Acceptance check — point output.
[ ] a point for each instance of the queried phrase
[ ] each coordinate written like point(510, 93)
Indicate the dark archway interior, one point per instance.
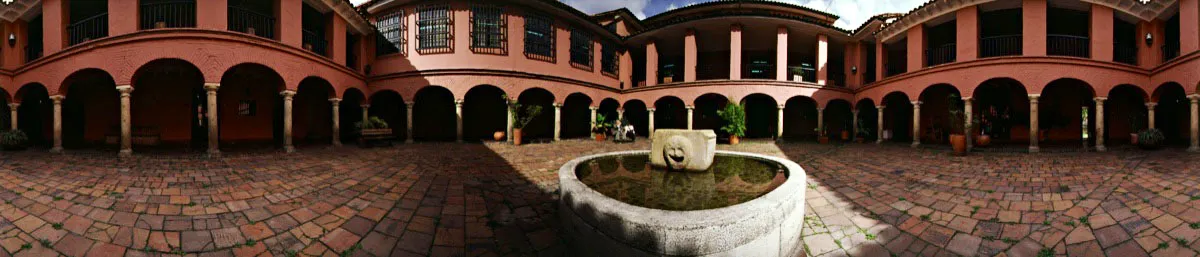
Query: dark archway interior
point(34, 116)
point(868, 120)
point(897, 117)
point(1124, 113)
point(838, 119)
point(1001, 107)
point(1172, 114)
point(389, 106)
point(800, 118)
point(312, 113)
point(484, 113)
point(349, 114)
point(1061, 111)
point(169, 104)
point(249, 108)
point(705, 112)
point(636, 113)
point(434, 115)
point(91, 111)
point(761, 116)
point(576, 116)
point(609, 107)
point(936, 122)
point(542, 126)
point(669, 113)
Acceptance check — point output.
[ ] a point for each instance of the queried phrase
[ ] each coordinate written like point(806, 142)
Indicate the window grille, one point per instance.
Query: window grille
point(488, 26)
point(539, 37)
point(581, 49)
point(435, 28)
point(393, 28)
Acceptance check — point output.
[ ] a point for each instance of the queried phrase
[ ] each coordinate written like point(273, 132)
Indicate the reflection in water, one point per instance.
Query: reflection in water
point(731, 180)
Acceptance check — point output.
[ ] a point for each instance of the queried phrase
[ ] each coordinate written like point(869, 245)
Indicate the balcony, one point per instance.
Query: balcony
point(33, 52)
point(251, 22)
point(1125, 53)
point(1068, 45)
point(170, 14)
point(806, 72)
point(995, 46)
point(87, 29)
point(892, 70)
point(940, 55)
point(1170, 50)
point(315, 42)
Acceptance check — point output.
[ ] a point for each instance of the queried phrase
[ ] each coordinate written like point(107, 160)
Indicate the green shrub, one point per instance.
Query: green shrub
point(373, 122)
point(735, 119)
point(1150, 138)
point(14, 139)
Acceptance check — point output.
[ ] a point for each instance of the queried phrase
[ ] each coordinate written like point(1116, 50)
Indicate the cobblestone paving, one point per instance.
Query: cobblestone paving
point(499, 200)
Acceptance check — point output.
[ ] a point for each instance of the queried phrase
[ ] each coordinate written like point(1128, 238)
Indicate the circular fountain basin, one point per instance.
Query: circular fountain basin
point(615, 204)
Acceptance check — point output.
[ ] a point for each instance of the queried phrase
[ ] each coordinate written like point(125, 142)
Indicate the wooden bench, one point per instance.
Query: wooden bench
point(372, 137)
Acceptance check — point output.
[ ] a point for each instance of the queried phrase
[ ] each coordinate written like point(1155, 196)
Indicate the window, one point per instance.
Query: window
point(581, 49)
point(609, 59)
point(392, 28)
point(539, 37)
point(488, 24)
point(434, 28)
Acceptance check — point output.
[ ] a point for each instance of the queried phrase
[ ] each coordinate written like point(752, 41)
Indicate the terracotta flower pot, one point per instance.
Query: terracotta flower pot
point(959, 142)
point(983, 140)
point(600, 137)
point(1133, 138)
point(823, 140)
point(845, 135)
point(499, 135)
point(516, 136)
point(733, 140)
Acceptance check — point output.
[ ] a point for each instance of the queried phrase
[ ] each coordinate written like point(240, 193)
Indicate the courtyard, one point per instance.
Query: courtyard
point(444, 199)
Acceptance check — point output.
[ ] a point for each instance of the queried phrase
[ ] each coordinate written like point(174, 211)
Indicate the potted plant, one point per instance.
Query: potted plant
point(985, 129)
point(522, 116)
point(600, 127)
point(14, 140)
point(797, 73)
point(498, 135)
point(958, 129)
point(735, 121)
point(373, 128)
point(846, 134)
point(667, 73)
point(863, 132)
point(1150, 139)
point(1135, 127)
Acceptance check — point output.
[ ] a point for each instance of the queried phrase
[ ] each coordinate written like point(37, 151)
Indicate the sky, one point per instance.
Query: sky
point(852, 12)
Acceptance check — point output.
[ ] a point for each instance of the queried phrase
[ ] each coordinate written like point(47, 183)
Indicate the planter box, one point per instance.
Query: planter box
point(368, 136)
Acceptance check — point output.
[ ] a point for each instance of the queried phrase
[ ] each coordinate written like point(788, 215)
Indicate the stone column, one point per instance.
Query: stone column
point(1195, 126)
point(620, 113)
point(365, 108)
point(593, 109)
point(1084, 127)
point(1100, 124)
point(126, 122)
point(689, 116)
point(779, 123)
point(58, 99)
point(916, 123)
point(458, 121)
point(337, 121)
point(214, 136)
point(967, 122)
point(853, 123)
point(1033, 123)
point(820, 121)
point(1149, 114)
point(650, 123)
point(879, 124)
point(408, 124)
point(12, 108)
point(557, 121)
point(287, 120)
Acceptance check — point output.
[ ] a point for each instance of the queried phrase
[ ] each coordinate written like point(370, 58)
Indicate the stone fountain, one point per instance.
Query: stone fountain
point(682, 198)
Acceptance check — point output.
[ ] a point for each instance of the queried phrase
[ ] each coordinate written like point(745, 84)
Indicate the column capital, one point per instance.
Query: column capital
point(781, 106)
point(819, 109)
point(689, 107)
point(125, 89)
point(1100, 99)
point(967, 98)
point(409, 104)
point(1151, 104)
point(650, 109)
point(458, 102)
point(57, 98)
point(593, 108)
point(364, 106)
point(881, 107)
point(287, 93)
point(917, 103)
point(1034, 96)
point(211, 86)
point(556, 105)
point(1194, 97)
point(335, 100)
point(14, 105)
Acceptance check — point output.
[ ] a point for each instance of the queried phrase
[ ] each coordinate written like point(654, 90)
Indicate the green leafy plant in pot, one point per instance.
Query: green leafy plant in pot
point(14, 140)
point(601, 126)
point(1150, 138)
point(522, 116)
point(735, 121)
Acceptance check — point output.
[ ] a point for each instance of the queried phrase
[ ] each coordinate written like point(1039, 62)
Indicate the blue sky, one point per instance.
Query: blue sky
point(852, 12)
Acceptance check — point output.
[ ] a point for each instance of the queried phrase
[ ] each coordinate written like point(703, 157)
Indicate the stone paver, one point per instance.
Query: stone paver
point(500, 200)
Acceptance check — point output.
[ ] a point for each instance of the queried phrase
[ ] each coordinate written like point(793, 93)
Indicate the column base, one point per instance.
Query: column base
point(337, 143)
point(58, 149)
point(125, 153)
point(1034, 149)
point(214, 154)
point(1101, 148)
point(458, 140)
point(879, 142)
point(1194, 149)
point(916, 144)
point(289, 149)
point(408, 141)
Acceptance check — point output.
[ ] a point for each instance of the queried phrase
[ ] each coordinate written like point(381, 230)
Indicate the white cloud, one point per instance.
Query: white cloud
point(638, 7)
